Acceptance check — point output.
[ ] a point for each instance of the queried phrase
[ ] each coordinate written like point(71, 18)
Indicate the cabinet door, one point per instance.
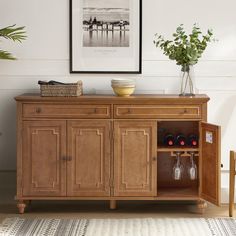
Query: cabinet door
point(44, 145)
point(210, 163)
point(135, 163)
point(88, 172)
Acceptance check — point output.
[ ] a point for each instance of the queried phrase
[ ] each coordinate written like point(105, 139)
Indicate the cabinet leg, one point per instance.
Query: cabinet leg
point(201, 205)
point(21, 206)
point(112, 204)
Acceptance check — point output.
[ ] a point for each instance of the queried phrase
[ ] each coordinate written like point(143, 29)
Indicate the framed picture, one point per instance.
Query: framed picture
point(105, 36)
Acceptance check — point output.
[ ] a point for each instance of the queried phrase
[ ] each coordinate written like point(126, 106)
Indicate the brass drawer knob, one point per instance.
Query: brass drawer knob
point(92, 111)
point(64, 158)
point(184, 112)
point(38, 110)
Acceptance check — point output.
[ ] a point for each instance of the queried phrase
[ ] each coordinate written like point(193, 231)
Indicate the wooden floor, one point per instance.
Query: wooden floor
point(100, 209)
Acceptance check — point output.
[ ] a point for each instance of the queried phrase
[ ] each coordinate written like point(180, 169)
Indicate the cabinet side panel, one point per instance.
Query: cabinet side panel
point(19, 150)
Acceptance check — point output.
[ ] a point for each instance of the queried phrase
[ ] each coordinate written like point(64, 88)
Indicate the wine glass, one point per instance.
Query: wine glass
point(178, 167)
point(193, 167)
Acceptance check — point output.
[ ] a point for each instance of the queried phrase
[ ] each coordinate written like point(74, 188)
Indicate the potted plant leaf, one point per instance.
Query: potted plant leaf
point(185, 50)
point(16, 34)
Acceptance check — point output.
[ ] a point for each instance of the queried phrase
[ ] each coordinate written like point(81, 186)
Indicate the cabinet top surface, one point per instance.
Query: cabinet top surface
point(109, 99)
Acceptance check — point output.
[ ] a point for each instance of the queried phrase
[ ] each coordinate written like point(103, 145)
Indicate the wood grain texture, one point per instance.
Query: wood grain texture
point(19, 153)
point(44, 170)
point(157, 111)
point(159, 99)
point(210, 163)
point(107, 148)
point(135, 158)
point(88, 170)
point(66, 110)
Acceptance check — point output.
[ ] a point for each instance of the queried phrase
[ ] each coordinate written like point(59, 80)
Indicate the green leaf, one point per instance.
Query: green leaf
point(183, 48)
point(6, 55)
point(13, 33)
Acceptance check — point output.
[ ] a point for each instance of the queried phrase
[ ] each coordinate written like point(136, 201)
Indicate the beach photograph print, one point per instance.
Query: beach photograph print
point(106, 23)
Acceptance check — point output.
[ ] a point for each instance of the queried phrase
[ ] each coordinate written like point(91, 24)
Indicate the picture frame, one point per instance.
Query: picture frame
point(106, 36)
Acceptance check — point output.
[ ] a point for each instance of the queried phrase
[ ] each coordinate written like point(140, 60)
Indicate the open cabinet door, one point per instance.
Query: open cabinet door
point(210, 163)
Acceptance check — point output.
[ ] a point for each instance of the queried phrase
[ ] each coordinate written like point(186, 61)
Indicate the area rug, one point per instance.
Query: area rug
point(119, 227)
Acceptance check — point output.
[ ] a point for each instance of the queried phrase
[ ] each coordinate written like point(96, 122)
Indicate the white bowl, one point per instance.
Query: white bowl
point(122, 82)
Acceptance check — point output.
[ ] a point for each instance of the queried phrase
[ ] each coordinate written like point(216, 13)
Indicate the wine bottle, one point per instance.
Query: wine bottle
point(180, 140)
point(193, 140)
point(169, 140)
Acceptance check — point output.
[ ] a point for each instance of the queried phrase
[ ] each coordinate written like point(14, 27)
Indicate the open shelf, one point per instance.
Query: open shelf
point(176, 149)
point(175, 192)
point(176, 127)
point(167, 187)
point(171, 151)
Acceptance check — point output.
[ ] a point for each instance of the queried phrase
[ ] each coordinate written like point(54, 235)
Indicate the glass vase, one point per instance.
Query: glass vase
point(187, 81)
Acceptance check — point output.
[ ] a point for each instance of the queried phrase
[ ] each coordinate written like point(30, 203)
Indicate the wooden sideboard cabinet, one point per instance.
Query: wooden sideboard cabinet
point(112, 148)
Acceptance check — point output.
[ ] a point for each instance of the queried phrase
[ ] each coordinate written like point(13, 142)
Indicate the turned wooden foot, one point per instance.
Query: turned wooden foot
point(21, 206)
point(201, 205)
point(112, 204)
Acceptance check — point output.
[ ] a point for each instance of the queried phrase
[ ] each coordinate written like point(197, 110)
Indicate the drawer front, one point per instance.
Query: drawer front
point(67, 111)
point(158, 111)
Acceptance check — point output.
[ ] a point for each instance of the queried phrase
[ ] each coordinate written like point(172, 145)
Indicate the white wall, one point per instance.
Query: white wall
point(45, 55)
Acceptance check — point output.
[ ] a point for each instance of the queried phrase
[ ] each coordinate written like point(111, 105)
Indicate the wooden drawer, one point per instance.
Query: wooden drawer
point(158, 111)
point(66, 111)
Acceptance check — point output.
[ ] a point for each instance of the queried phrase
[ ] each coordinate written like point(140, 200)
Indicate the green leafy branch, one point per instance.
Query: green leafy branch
point(184, 49)
point(16, 34)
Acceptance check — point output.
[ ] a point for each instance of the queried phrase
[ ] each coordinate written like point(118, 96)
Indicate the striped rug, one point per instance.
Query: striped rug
point(119, 227)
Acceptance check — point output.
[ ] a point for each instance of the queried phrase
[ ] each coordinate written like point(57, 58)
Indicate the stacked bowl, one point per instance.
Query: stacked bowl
point(123, 87)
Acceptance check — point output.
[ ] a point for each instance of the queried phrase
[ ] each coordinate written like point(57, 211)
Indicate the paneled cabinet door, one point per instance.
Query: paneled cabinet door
point(135, 164)
point(88, 171)
point(210, 162)
point(44, 146)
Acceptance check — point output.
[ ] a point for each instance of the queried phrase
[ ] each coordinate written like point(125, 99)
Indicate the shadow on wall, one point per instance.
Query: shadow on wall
point(7, 188)
point(225, 114)
point(8, 131)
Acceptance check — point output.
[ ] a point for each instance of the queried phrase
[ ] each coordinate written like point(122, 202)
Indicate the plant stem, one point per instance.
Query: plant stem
point(186, 81)
point(182, 83)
